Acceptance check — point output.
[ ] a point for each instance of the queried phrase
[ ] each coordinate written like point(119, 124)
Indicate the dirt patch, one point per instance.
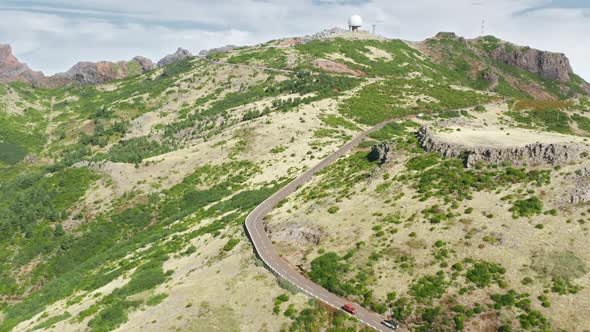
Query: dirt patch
point(301, 233)
point(559, 264)
point(335, 67)
point(376, 54)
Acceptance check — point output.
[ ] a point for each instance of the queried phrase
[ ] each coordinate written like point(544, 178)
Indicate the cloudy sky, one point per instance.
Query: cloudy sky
point(53, 35)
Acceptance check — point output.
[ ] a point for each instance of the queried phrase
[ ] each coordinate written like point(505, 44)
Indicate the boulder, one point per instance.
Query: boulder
point(381, 152)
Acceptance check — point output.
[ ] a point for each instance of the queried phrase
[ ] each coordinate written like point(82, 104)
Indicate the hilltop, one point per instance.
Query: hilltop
point(124, 187)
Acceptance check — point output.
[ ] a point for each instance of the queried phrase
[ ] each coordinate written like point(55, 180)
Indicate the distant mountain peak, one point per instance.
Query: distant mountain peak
point(13, 70)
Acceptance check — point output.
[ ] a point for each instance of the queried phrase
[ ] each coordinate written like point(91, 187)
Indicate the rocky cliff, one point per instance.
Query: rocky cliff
point(536, 153)
point(549, 65)
point(12, 70)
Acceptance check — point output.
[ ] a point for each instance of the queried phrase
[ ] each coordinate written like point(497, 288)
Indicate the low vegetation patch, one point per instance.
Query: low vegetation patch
point(135, 150)
point(449, 180)
point(527, 207)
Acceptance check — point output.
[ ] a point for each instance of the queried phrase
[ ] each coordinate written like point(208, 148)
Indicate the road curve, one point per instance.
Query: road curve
point(266, 251)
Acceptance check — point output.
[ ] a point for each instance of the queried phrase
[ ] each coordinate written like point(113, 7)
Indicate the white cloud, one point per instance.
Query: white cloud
point(53, 35)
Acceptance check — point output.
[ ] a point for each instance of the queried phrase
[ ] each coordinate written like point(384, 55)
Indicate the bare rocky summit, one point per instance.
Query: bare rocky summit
point(216, 50)
point(535, 153)
point(179, 55)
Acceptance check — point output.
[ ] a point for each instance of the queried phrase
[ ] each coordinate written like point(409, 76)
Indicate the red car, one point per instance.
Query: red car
point(349, 308)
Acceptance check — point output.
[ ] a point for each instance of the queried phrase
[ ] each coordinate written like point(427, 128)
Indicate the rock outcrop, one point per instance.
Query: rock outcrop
point(12, 70)
point(536, 153)
point(549, 65)
point(179, 55)
point(295, 233)
point(581, 186)
point(381, 152)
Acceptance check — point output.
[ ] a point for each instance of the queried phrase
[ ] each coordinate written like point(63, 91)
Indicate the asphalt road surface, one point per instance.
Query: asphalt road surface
point(266, 251)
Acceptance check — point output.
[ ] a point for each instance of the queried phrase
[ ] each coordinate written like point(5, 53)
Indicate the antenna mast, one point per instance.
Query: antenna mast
point(483, 20)
point(374, 25)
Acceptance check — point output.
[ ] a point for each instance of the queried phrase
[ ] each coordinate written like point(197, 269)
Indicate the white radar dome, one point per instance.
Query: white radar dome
point(355, 21)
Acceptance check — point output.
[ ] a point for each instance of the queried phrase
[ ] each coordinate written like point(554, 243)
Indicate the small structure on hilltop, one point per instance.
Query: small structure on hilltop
point(355, 22)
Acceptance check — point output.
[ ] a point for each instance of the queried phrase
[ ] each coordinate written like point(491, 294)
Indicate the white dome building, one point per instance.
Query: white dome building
point(355, 22)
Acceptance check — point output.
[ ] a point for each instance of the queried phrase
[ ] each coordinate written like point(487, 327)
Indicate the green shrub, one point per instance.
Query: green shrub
point(563, 286)
point(483, 273)
point(327, 269)
point(11, 153)
point(333, 209)
point(156, 299)
point(231, 244)
point(429, 287)
point(527, 207)
point(283, 298)
point(48, 323)
point(135, 150)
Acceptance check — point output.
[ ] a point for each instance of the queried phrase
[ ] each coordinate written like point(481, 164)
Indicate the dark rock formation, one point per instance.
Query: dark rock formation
point(12, 70)
point(536, 153)
point(549, 65)
point(179, 55)
point(381, 152)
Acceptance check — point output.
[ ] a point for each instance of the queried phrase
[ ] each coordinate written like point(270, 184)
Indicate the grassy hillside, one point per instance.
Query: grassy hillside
point(122, 204)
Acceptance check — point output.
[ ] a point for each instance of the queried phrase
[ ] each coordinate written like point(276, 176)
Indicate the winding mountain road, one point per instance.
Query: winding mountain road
point(266, 251)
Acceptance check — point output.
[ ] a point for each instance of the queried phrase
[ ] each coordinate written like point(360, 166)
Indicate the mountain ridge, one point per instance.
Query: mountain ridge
point(83, 72)
point(552, 66)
